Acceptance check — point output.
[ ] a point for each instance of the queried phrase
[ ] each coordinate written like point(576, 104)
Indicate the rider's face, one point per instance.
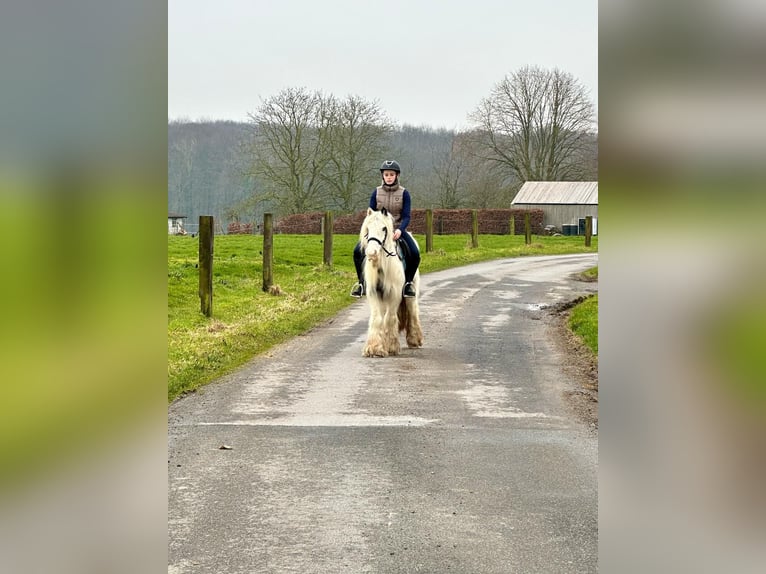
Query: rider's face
point(389, 176)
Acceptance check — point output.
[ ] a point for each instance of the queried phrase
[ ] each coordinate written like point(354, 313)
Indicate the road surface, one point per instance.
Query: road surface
point(462, 456)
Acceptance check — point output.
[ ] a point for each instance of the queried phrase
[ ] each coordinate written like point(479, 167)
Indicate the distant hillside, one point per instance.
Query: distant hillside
point(207, 172)
point(207, 167)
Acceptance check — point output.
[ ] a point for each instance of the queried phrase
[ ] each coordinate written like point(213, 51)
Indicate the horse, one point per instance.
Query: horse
point(383, 272)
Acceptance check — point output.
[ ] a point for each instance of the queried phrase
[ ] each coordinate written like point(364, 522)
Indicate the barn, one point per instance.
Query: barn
point(565, 204)
point(176, 224)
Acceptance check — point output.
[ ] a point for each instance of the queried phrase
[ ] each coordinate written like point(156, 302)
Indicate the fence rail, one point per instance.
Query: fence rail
point(205, 230)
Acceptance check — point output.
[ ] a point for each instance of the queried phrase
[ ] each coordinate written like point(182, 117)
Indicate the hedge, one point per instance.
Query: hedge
point(445, 222)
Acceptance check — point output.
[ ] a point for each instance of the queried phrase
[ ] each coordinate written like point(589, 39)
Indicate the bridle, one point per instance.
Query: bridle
point(383, 247)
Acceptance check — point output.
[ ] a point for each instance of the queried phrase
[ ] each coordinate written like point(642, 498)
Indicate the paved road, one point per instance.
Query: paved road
point(458, 457)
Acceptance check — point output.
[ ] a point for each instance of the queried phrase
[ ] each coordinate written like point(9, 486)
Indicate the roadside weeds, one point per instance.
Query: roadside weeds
point(581, 366)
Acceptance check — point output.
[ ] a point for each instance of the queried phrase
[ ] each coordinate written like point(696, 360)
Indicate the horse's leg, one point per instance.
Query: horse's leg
point(412, 318)
point(392, 330)
point(412, 323)
point(376, 344)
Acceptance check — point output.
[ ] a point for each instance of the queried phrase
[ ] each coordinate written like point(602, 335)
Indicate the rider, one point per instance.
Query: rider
point(396, 200)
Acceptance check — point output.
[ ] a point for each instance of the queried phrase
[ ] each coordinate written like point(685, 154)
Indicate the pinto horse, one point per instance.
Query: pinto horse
point(384, 279)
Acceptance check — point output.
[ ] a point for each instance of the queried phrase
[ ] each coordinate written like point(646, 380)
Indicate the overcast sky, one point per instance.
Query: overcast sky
point(426, 62)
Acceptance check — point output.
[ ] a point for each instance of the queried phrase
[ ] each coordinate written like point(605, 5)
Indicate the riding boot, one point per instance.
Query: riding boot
point(412, 256)
point(358, 289)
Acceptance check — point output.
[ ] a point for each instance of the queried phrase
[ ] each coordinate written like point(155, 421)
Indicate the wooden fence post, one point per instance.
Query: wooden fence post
point(527, 230)
point(429, 230)
point(206, 236)
point(268, 251)
point(512, 225)
point(474, 228)
point(328, 238)
point(588, 229)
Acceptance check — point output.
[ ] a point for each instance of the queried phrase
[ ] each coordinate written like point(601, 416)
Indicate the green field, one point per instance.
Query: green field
point(246, 321)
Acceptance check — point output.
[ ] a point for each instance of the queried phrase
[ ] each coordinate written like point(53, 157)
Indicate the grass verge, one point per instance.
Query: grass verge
point(583, 321)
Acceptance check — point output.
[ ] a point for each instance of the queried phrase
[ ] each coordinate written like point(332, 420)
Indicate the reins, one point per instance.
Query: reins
point(383, 247)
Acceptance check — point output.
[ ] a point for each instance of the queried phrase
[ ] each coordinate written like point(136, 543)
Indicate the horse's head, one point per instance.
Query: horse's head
point(377, 234)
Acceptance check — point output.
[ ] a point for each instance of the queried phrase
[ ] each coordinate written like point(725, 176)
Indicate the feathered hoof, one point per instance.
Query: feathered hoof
point(415, 338)
point(374, 351)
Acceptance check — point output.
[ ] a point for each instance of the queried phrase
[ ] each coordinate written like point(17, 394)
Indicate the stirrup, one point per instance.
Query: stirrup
point(409, 290)
point(358, 290)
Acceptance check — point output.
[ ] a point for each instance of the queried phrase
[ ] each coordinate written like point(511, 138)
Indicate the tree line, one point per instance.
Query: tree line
point(305, 151)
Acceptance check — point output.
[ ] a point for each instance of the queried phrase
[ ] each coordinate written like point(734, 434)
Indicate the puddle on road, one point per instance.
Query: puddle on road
point(531, 306)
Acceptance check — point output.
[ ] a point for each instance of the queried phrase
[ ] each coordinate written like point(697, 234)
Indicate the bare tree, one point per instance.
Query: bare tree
point(464, 179)
point(486, 188)
point(290, 148)
point(356, 142)
point(181, 153)
point(536, 124)
point(449, 167)
point(312, 151)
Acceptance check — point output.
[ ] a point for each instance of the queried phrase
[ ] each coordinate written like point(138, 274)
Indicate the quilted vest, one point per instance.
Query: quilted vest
point(392, 201)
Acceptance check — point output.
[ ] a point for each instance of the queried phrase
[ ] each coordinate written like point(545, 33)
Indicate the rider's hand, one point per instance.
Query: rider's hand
point(397, 234)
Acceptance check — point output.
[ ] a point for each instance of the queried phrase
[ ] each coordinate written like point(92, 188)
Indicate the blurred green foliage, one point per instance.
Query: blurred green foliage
point(81, 337)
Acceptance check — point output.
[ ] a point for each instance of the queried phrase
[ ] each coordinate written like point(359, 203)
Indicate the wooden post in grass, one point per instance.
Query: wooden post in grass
point(588, 229)
point(327, 238)
point(429, 230)
point(527, 230)
point(512, 225)
point(268, 251)
point(206, 264)
point(475, 228)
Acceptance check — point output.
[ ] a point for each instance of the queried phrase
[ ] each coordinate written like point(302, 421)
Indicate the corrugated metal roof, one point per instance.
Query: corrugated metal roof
point(542, 192)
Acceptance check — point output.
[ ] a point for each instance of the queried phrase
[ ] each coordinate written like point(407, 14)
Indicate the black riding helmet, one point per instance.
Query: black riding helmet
point(392, 165)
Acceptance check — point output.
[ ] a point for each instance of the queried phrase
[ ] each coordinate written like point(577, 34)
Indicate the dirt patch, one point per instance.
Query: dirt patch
point(586, 278)
point(581, 366)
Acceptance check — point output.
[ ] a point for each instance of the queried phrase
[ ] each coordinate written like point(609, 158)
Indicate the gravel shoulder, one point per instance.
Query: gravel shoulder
point(581, 367)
